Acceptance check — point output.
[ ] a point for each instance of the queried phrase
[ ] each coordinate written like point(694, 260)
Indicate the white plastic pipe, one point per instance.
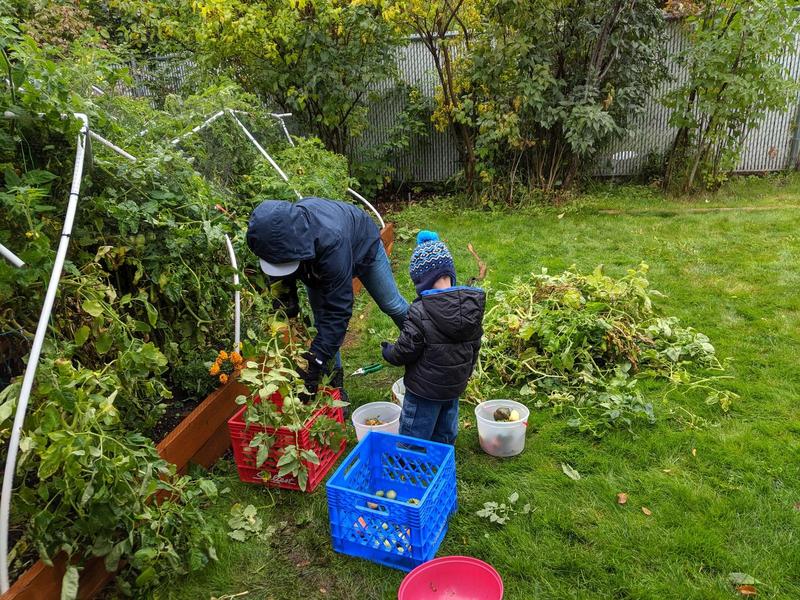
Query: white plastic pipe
point(262, 151)
point(355, 194)
point(281, 117)
point(237, 301)
point(36, 349)
point(11, 257)
point(111, 145)
point(202, 125)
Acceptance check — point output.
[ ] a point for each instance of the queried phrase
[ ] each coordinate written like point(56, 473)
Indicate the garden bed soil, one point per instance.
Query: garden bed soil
point(201, 438)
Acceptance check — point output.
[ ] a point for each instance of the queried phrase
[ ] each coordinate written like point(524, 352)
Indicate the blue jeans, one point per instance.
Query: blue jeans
point(434, 420)
point(379, 282)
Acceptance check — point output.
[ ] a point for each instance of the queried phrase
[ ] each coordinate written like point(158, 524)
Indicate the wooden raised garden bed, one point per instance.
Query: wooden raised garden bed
point(201, 438)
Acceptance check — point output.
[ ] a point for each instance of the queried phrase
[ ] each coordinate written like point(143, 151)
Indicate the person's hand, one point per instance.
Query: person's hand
point(386, 349)
point(310, 376)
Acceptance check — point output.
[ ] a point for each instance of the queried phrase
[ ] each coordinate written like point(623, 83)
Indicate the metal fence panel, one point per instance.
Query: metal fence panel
point(434, 158)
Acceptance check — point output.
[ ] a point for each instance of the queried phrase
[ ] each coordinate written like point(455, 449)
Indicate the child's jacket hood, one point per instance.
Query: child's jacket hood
point(457, 311)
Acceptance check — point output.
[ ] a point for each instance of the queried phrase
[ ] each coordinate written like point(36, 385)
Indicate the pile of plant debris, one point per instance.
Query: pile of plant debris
point(582, 343)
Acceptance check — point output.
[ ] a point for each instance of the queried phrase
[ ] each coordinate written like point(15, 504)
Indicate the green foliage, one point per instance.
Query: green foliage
point(145, 297)
point(276, 373)
point(734, 77)
point(500, 512)
point(92, 483)
point(581, 343)
point(312, 171)
point(549, 85)
point(372, 166)
point(314, 58)
point(245, 523)
point(435, 22)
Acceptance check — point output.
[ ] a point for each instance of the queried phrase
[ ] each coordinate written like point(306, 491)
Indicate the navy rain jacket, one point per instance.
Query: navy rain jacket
point(335, 241)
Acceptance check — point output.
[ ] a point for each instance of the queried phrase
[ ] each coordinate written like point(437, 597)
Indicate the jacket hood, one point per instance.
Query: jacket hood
point(456, 311)
point(279, 232)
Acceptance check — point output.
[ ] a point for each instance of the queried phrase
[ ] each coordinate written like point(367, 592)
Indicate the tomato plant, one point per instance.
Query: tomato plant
point(144, 303)
point(581, 343)
point(276, 373)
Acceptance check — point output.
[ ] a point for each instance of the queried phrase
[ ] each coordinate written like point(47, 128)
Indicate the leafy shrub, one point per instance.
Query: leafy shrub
point(91, 483)
point(549, 96)
point(312, 171)
point(317, 59)
point(735, 76)
point(146, 294)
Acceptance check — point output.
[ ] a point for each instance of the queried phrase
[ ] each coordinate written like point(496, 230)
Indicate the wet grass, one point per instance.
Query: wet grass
point(722, 492)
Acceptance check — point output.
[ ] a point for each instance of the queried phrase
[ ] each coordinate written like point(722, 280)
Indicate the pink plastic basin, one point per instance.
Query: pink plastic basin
point(452, 578)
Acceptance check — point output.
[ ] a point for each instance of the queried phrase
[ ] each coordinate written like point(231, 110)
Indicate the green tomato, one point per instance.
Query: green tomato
point(391, 494)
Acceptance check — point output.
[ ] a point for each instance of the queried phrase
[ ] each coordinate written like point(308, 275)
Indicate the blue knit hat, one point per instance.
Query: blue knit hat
point(430, 260)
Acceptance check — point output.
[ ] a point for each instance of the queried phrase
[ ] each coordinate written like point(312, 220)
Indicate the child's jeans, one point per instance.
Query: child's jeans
point(433, 420)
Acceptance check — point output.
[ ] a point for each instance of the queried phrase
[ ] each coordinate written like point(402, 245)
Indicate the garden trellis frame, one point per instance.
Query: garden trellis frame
point(280, 117)
point(84, 135)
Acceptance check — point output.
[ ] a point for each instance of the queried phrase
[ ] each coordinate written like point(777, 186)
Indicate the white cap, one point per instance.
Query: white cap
point(279, 269)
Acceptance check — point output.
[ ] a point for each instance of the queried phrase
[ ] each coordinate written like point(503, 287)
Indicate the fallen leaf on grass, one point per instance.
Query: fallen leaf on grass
point(467, 424)
point(570, 472)
point(667, 471)
point(797, 505)
point(694, 451)
point(561, 216)
point(647, 511)
point(303, 563)
point(747, 590)
point(622, 498)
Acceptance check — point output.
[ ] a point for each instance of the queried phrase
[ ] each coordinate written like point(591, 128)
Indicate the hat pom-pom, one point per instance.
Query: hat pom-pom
point(427, 236)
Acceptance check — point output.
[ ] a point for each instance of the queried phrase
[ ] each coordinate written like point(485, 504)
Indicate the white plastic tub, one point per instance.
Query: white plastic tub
point(398, 391)
point(501, 438)
point(388, 412)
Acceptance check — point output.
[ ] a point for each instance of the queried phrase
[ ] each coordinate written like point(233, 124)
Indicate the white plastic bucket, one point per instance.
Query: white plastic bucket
point(398, 391)
point(388, 412)
point(501, 438)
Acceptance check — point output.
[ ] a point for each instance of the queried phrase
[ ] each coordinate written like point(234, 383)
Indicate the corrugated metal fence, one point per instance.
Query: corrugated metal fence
point(434, 158)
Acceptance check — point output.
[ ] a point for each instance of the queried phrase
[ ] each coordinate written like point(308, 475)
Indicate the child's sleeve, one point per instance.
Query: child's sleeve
point(408, 347)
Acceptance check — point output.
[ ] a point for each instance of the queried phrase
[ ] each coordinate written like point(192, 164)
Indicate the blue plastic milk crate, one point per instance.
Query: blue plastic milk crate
point(394, 533)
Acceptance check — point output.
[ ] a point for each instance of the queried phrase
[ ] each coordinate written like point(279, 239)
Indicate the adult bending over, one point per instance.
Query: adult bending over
point(324, 244)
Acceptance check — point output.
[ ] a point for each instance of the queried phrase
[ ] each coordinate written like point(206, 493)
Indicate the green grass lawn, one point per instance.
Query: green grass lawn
point(729, 505)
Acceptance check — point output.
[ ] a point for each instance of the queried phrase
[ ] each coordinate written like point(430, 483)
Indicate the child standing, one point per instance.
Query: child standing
point(438, 343)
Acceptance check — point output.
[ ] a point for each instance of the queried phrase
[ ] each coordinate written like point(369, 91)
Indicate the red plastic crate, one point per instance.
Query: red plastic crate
point(245, 456)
